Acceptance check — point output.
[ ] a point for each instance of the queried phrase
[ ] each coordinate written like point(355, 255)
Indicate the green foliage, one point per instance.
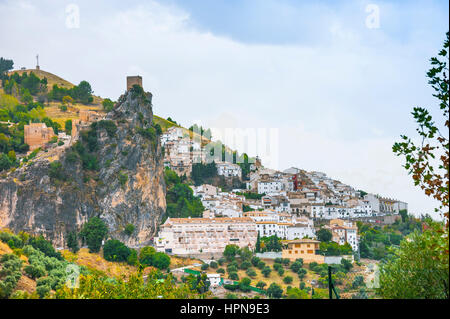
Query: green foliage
point(230, 252)
point(271, 243)
point(233, 276)
point(72, 242)
point(324, 235)
point(81, 93)
point(288, 279)
point(134, 287)
point(146, 256)
point(181, 202)
point(266, 271)
point(133, 258)
point(115, 250)
point(108, 105)
point(334, 249)
point(10, 274)
point(275, 291)
point(93, 233)
point(129, 229)
point(244, 284)
point(251, 272)
point(204, 266)
point(56, 171)
point(415, 270)
point(203, 173)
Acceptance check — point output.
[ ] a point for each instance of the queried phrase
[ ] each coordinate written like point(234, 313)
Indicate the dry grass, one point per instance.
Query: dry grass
point(96, 261)
point(177, 262)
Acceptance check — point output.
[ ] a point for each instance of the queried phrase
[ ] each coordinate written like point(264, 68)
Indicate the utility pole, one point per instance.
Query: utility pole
point(37, 62)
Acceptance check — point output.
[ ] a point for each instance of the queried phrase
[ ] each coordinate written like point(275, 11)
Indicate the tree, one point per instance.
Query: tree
point(258, 243)
point(261, 284)
point(244, 284)
point(287, 279)
point(161, 260)
point(93, 233)
point(68, 127)
point(415, 270)
point(245, 254)
point(72, 242)
point(129, 229)
point(266, 271)
point(115, 250)
point(67, 100)
point(428, 162)
point(275, 291)
point(146, 255)
point(301, 273)
point(5, 66)
point(230, 252)
point(108, 105)
point(324, 235)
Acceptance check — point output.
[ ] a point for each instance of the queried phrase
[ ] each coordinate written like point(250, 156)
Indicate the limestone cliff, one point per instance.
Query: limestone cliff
point(115, 171)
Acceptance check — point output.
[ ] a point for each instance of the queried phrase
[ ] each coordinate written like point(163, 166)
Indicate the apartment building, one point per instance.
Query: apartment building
point(184, 236)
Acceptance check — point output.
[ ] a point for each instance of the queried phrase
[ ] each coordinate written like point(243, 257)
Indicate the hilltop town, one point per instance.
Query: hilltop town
point(277, 216)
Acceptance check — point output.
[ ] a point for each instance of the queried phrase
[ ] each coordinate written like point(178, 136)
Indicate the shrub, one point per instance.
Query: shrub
point(255, 260)
point(221, 271)
point(280, 271)
point(287, 279)
point(129, 229)
point(266, 271)
point(115, 250)
point(213, 264)
point(251, 272)
point(161, 260)
point(132, 258)
point(245, 265)
point(93, 233)
point(204, 266)
point(275, 291)
point(146, 255)
point(233, 276)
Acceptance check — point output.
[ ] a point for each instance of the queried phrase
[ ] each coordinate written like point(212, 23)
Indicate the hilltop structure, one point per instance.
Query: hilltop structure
point(132, 80)
point(37, 135)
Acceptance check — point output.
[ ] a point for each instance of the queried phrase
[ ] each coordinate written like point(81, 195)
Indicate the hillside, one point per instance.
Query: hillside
point(114, 171)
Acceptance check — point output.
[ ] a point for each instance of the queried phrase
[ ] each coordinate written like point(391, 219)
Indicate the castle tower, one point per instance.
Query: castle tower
point(132, 80)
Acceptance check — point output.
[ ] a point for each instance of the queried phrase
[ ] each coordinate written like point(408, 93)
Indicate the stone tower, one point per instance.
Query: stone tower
point(132, 80)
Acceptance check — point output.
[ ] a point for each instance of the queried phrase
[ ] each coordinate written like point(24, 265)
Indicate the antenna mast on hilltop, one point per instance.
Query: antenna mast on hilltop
point(37, 62)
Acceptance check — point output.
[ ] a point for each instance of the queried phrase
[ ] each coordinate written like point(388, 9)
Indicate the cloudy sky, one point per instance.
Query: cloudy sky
point(331, 82)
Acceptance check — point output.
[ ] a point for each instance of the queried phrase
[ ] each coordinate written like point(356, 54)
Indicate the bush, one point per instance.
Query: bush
point(296, 266)
point(161, 260)
point(204, 266)
point(115, 250)
point(221, 271)
point(245, 265)
point(35, 271)
point(261, 264)
point(287, 279)
point(146, 256)
point(275, 291)
point(255, 260)
point(233, 276)
point(132, 258)
point(129, 229)
point(213, 264)
point(231, 268)
point(251, 272)
point(266, 271)
point(280, 271)
point(93, 233)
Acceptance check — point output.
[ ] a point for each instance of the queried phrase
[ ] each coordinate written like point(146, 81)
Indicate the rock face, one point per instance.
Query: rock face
point(115, 171)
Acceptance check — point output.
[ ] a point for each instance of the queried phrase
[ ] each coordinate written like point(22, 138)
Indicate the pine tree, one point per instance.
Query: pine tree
point(258, 243)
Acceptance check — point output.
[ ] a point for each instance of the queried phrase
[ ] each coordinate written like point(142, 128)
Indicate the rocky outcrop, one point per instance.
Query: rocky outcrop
point(115, 171)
